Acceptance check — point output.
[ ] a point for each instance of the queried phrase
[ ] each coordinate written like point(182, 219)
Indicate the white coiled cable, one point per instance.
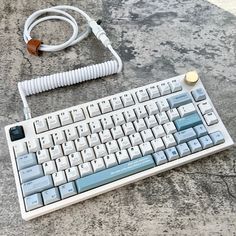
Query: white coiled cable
point(45, 83)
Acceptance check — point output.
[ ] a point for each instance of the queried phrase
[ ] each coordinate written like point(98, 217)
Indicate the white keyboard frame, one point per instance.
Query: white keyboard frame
point(28, 128)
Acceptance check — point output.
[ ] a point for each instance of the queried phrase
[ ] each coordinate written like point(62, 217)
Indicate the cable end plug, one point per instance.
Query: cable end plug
point(27, 113)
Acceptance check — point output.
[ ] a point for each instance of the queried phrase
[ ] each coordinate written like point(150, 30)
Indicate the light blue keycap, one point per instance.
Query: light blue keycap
point(200, 130)
point(51, 195)
point(199, 94)
point(67, 190)
point(194, 145)
point(171, 153)
point(159, 158)
point(217, 138)
point(37, 185)
point(185, 135)
point(188, 121)
point(183, 149)
point(114, 173)
point(206, 141)
point(34, 201)
point(26, 161)
point(31, 173)
point(179, 100)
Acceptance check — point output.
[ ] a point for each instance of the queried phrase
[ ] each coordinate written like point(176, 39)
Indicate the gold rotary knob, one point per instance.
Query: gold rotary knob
point(191, 77)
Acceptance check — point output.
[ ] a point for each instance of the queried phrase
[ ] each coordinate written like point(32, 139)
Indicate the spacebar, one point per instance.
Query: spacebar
point(112, 174)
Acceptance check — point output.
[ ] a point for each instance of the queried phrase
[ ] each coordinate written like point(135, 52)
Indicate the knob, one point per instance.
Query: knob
point(191, 77)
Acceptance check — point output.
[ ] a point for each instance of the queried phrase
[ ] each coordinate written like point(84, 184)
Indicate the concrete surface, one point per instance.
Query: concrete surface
point(156, 39)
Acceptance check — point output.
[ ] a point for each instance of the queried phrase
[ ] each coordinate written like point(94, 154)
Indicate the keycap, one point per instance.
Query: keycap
point(142, 95)
point(85, 169)
point(59, 137)
point(43, 156)
point(118, 119)
point(72, 173)
point(128, 128)
point(152, 109)
point(185, 135)
point(150, 121)
point(114, 173)
point(159, 158)
point(175, 86)
point(129, 115)
point(71, 133)
point(205, 107)
point(194, 146)
point(77, 114)
point(75, 159)
point(146, 148)
point(105, 106)
point(68, 148)
point(31, 173)
point(186, 109)
point(200, 130)
point(59, 178)
point(147, 135)
point(33, 145)
point(169, 128)
point(127, 99)
point(188, 121)
point(93, 110)
point(164, 88)
point(162, 118)
point(34, 201)
point(135, 139)
point(16, 132)
point(65, 118)
point(124, 143)
point(55, 151)
point(140, 112)
point(217, 137)
point(173, 114)
point(107, 123)
point(211, 118)
point(179, 100)
point(49, 167)
point(62, 163)
point(122, 156)
point(100, 150)
point(157, 145)
point(183, 149)
point(37, 185)
point(83, 130)
point(158, 131)
point(46, 141)
point(67, 190)
point(26, 160)
point(162, 105)
point(206, 142)
point(110, 160)
point(198, 94)
point(169, 140)
point(105, 136)
point(134, 152)
point(116, 103)
point(40, 125)
point(139, 125)
point(20, 149)
point(88, 154)
point(171, 154)
point(51, 195)
point(93, 140)
point(53, 121)
point(153, 91)
point(112, 147)
point(81, 143)
point(98, 165)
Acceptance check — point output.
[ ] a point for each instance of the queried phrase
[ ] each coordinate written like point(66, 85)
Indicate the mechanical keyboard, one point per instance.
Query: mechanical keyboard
point(80, 152)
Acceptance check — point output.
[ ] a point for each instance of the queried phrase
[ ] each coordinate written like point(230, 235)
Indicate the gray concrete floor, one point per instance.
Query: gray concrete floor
point(156, 39)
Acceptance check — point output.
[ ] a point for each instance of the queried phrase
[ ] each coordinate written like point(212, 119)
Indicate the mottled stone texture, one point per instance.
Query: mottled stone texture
point(156, 39)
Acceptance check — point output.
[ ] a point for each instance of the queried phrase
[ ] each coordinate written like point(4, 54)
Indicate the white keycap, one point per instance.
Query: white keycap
point(205, 108)
point(170, 128)
point(56, 151)
point(173, 114)
point(164, 88)
point(140, 112)
point(118, 119)
point(77, 114)
point(163, 105)
point(124, 143)
point(95, 126)
point(122, 156)
point(153, 91)
point(65, 118)
point(46, 141)
point(40, 125)
point(81, 143)
point(88, 154)
point(129, 115)
point(152, 109)
point(59, 137)
point(128, 128)
point(62, 163)
point(127, 99)
point(134, 152)
point(112, 147)
point(33, 145)
point(98, 165)
point(85, 169)
point(175, 86)
point(117, 132)
point(105, 106)
point(105, 136)
point(94, 110)
point(71, 133)
point(68, 147)
point(186, 109)
point(142, 95)
point(169, 140)
point(140, 125)
point(162, 118)
point(147, 135)
point(20, 149)
point(42, 156)
point(53, 122)
point(107, 122)
point(210, 118)
point(59, 178)
point(135, 139)
point(72, 173)
point(116, 103)
point(110, 160)
point(146, 148)
point(93, 140)
point(158, 131)
point(49, 167)
point(83, 130)
point(151, 121)
point(75, 159)
point(157, 145)
point(100, 150)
